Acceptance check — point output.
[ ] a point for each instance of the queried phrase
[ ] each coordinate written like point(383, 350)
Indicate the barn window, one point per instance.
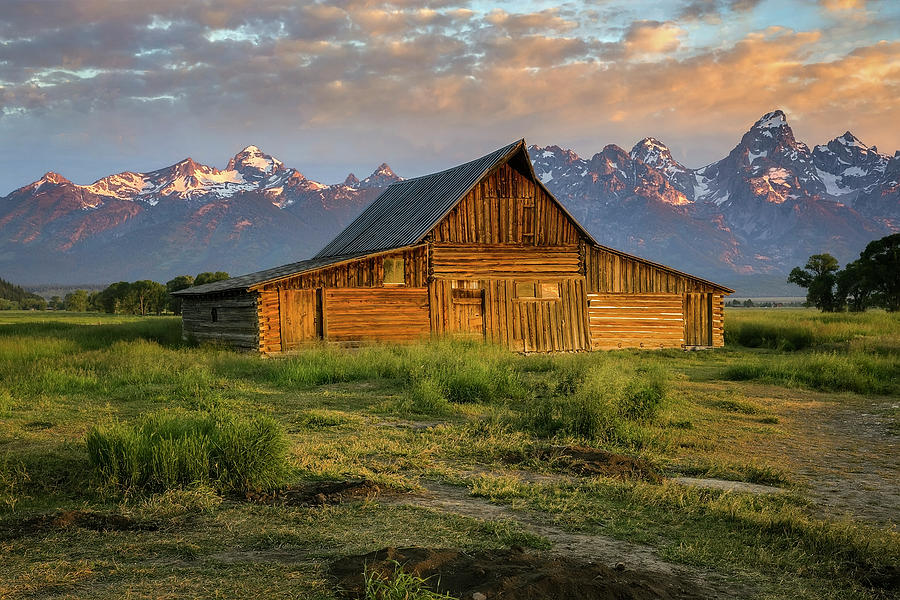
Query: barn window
point(526, 290)
point(214, 315)
point(394, 270)
point(549, 290)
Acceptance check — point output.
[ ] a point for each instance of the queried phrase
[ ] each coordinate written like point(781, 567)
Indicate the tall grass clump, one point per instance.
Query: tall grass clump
point(785, 336)
point(606, 405)
point(858, 372)
point(399, 585)
point(171, 449)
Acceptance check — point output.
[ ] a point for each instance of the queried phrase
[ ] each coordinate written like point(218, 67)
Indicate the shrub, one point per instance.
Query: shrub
point(171, 449)
point(605, 406)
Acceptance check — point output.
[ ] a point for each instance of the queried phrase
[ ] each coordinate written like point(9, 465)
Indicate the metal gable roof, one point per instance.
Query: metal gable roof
point(409, 209)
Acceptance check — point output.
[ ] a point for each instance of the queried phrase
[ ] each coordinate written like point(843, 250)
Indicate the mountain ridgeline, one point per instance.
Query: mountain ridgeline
point(758, 212)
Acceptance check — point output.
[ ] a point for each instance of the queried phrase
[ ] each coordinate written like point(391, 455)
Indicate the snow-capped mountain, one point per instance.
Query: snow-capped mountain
point(762, 209)
point(182, 218)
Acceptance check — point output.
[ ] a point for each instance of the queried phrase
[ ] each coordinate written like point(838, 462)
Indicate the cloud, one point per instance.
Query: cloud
point(357, 75)
point(652, 37)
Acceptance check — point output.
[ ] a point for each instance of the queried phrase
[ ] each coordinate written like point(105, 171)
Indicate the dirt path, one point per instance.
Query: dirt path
point(846, 453)
point(598, 548)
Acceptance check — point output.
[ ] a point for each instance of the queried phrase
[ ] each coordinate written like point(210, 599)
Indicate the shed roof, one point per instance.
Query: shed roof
point(245, 282)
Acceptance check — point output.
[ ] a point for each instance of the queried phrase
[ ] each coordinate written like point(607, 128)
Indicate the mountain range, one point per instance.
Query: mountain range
point(756, 213)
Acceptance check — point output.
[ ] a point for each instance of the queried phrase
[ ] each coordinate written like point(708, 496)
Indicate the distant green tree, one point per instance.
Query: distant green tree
point(35, 303)
point(55, 303)
point(209, 277)
point(819, 279)
point(145, 297)
point(748, 303)
point(112, 300)
point(173, 285)
point(94, 301)
point(8, 304)
point(77, 301)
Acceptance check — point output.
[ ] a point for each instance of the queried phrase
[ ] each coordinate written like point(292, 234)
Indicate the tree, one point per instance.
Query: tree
point(77, 301)
point(173, 285)
point(818, 277)
point(748, 303)
point(113, 298)
point(146, 297)
point(56, 303)
point(879, 264)
point(209, 277)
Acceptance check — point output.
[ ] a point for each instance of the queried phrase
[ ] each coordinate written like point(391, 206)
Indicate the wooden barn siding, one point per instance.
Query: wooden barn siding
point(496, 212)
point(718, 332)
point(608, 272)
point(497, 261)
point(269, 317)
point(236, 323)
point(365, 272)
point(383, 314)
point(636, 321)
point(531, 325)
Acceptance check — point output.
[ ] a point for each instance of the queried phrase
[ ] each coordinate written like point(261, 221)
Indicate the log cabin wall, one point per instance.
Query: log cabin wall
point(225, 319)
point(625, 314)
point(293, 311)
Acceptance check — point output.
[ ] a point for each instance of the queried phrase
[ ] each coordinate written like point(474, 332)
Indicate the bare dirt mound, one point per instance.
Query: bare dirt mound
point(594, 462)
point(319, 493)
point(510, 575)
point(70, 519)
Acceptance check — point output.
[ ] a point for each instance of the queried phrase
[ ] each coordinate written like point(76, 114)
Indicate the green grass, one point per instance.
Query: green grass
point(118, 415)
point(172, 449)
point(399, 585)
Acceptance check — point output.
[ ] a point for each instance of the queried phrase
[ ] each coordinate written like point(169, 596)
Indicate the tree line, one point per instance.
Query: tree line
point(871, 281)
point(143, 297)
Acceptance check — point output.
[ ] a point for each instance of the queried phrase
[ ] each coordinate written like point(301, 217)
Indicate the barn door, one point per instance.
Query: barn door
point(467, 312)
point(542, 322)
point(298, 317)
point(698, 319)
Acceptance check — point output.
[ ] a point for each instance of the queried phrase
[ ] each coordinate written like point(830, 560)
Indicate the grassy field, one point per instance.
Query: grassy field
point(133, 465)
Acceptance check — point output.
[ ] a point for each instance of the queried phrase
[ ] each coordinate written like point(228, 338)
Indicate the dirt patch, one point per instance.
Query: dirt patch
point(727, 485)
point(320, 493)
point(69, 519)
point(594, 462)
point(511, 575)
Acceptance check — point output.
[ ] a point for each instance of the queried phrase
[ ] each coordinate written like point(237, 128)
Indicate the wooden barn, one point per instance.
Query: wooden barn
point(482, 250)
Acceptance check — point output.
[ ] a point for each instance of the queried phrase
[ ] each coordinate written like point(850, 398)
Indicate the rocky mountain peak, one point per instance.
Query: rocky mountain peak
point(53, 177)
point(253, 163)
point(771, 120)
point(380, 177)
point(656, 154)
point(351, 180)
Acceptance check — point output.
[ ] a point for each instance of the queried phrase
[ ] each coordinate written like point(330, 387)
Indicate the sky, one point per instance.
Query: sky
point(93, 87)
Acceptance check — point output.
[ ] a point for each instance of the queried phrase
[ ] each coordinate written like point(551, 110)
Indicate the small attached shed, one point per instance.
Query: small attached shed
point(482, 250)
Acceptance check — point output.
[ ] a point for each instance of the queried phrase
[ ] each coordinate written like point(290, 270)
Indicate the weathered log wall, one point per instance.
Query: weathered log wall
point(507, 208)
point(235, 321)
point(636, 321)
point(383, 314)
point(362, 272)
point(496, 261)
point(702, 304)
